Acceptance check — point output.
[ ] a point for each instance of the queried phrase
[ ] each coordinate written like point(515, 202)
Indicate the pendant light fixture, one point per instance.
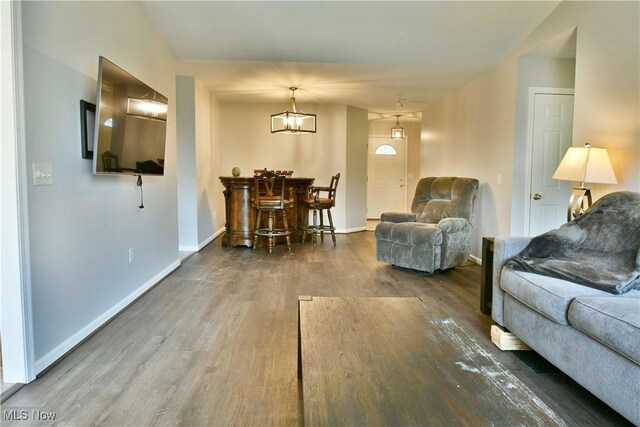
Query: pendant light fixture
point(293, 120)
point(148, 106)
point(397, 131)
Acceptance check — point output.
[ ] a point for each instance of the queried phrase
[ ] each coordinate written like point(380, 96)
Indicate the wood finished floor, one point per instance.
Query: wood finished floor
point(215, 343)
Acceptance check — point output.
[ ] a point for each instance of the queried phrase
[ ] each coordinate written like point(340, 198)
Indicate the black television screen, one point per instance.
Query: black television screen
point(131, 124)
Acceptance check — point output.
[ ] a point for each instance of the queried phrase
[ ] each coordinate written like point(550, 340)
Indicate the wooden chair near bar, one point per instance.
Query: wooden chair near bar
point(271, 196)
point(316, 202)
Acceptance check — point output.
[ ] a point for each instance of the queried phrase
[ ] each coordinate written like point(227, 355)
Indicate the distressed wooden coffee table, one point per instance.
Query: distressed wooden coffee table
point(403, 361)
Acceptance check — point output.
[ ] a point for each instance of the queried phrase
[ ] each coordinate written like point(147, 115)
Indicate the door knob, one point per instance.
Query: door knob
point(537, 196)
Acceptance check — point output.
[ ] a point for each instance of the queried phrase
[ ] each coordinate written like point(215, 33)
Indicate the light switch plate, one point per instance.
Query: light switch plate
point(42, 174)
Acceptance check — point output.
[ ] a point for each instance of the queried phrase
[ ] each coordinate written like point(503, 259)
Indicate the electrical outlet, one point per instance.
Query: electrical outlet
point(130, 255)
point(215, 215)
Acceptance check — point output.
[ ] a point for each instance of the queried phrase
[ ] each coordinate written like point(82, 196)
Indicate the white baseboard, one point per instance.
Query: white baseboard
point(55, 354)
point(211, 238)
point(205, 242)
point(476, 259)
point(350, 230)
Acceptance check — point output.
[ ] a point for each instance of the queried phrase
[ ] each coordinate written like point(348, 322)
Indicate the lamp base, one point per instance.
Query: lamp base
point(579, 202)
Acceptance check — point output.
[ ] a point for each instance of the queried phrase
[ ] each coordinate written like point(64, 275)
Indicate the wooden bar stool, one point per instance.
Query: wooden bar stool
point(269, 197)
point(317, 203)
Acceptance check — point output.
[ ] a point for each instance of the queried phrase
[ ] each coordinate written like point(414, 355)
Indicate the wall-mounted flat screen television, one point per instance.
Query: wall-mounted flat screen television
point(131, 124)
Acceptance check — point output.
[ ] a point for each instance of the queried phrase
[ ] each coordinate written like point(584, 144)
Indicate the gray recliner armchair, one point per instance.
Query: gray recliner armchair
point(436, 235)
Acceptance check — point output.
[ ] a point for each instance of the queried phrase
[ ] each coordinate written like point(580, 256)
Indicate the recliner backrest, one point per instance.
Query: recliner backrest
point(437, 198)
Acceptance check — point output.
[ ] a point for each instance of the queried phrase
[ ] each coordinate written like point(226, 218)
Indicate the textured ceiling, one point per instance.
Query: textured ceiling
point(366, 54)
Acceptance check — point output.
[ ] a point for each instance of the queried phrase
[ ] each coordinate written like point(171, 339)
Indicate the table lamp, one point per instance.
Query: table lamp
point(584, 164)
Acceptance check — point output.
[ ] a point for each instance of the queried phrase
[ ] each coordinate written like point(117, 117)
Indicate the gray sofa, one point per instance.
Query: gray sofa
point(591, 335)
point(436, 235)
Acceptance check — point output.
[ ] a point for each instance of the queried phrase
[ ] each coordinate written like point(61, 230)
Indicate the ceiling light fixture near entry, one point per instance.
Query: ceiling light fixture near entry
point(397, 131)
point(293, 120)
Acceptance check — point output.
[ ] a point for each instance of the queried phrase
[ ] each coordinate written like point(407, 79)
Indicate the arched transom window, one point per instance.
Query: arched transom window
point(386, 150)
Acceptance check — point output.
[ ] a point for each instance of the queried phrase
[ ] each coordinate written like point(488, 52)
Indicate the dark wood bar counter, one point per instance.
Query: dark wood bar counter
point(240, 217)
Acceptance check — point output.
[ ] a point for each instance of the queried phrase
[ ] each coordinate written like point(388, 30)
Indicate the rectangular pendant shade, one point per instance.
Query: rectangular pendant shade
point(397, 133)
point(147, 108)
point(293, 123)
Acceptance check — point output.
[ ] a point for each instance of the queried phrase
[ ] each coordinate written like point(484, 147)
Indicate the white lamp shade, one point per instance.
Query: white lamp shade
point(586, 164)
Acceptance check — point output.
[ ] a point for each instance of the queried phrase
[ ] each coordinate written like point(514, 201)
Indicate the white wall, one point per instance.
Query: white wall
point(246, 142)
point(355, 184)
point(607, 80)
point(186, 163)
point(468, 134)
point(472, 130)
point(82, 226)
point(215, 187)
point(198, 185)
point(208, 185)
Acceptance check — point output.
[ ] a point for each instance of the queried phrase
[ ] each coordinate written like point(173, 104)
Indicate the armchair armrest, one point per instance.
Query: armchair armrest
point(454, 225)
point(503, 249)
point(314, 192)
point(398, 217)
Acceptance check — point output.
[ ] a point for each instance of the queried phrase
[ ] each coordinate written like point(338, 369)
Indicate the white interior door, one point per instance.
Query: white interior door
point(386, 189)
point(551, 137)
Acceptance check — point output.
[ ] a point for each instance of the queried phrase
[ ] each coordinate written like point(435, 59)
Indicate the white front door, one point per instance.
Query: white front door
point(551, 137)
point(386, 176)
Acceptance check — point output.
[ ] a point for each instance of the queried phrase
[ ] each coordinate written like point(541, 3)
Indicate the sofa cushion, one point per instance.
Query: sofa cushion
point(410, 233)
point(614, 321)
point(548, 296)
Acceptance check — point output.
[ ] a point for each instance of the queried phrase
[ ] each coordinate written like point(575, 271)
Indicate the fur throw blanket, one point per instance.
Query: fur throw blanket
point(599, 249)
